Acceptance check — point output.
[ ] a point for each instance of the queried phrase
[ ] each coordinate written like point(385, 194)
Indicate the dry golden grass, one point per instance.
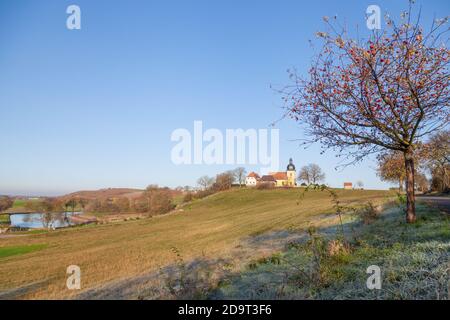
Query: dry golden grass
point(209, 227)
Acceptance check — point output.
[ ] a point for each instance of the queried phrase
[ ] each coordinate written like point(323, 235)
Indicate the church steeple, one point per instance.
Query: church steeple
point(291, 166)
point(291, 174)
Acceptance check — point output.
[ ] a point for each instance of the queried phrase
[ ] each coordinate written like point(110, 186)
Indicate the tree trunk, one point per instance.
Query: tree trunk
point(444, 179)
point(400, 185)
point(410, 197)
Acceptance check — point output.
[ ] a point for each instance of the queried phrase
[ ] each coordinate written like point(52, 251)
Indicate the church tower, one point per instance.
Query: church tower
point(291, 174)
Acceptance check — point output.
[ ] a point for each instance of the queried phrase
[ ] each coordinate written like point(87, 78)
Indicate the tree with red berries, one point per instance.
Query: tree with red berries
point(386, 92)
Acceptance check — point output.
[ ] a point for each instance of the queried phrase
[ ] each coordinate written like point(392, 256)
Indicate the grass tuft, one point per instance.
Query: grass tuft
point(18, 250)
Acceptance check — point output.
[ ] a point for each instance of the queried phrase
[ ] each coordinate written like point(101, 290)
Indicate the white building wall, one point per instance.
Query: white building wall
point(250, 181)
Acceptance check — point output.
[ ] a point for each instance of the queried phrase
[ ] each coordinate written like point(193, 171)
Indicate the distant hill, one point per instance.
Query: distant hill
point(104, 193)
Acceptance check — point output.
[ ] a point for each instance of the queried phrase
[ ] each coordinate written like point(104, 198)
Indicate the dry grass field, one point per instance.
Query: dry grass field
point(209, 227)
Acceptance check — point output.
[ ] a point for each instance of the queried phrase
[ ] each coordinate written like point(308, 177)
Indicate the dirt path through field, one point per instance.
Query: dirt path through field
point(442, 203)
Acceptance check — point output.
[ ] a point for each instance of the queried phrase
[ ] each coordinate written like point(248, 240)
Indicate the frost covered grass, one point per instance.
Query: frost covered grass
point(414, 261)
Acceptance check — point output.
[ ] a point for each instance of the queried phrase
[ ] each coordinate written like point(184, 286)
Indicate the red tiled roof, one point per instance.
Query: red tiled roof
point(348, 184)
point(268, 178)
point(279, 175)
point(253, 175)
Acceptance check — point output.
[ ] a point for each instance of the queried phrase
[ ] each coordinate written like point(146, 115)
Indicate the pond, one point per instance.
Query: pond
point(43, 220)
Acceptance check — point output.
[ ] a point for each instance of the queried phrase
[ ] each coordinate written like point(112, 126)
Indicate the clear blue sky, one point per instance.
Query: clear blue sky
point(94, 108)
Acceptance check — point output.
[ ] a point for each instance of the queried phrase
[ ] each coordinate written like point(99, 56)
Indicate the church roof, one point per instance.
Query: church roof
point(279, 175)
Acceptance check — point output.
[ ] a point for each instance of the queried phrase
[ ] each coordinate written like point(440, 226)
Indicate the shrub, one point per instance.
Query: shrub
point(93, 205)
point(338, 249)
point(160, 201)
point(368, 213)
point(188, 281)
point(204, 193)
point(274, 259)
point(5, 203)
point(122, 204)
point(265, 185)
point(188, 197)
point(140, 204)
point(41, 205)
point(108, 205)
point(223, 181)
point(401, 198)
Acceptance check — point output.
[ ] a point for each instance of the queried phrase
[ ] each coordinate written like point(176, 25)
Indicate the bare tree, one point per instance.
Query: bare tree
point(151, 187)
point(303, 175)
point(72, 203)
point(205, 182)
point(316, 173)
point(239, 174)
point(5, 203)
point(360, 184)
point(223, 181)
point(389, 91)
point(311, 173)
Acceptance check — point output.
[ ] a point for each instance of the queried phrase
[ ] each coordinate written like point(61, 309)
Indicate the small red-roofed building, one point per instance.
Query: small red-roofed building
point(348, 185)
point(252, 179)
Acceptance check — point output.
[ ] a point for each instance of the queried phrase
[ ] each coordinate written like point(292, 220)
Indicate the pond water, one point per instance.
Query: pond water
point(42, 220)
